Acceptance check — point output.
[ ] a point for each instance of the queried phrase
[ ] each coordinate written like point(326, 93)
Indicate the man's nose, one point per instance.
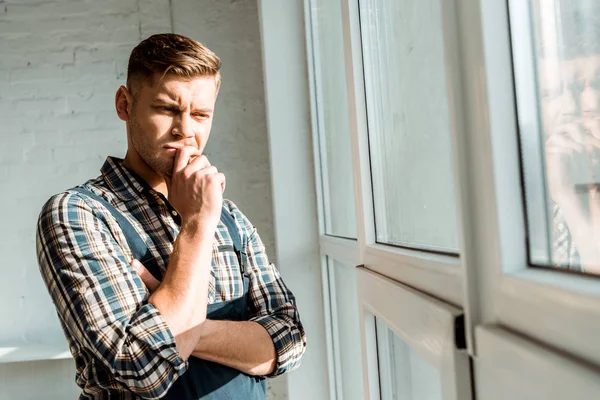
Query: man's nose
point(589, 100)
point(183, 126)
point(568, 102)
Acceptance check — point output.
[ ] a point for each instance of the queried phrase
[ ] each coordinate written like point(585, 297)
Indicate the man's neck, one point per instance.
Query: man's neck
point(133, 162)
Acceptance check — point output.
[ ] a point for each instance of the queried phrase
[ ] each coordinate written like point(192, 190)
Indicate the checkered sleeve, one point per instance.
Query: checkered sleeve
point(101, 300)
point(271, 303)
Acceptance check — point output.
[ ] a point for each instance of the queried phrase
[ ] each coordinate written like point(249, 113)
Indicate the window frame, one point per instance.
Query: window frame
point(436, 274)
point(534, 302)
point(403, 309)
point(508, 305)
point(511, 367)
point(317, 122)
point(344, 250)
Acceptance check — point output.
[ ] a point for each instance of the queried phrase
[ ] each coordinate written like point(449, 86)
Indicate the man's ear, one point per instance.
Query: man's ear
point(123, 103)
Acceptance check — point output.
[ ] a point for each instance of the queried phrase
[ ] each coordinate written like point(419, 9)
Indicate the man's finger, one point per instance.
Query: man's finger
point(150, 281)
point(557, 142)
point(182, 158)
point(574, 131)
point(593, 141)
point(198, 163)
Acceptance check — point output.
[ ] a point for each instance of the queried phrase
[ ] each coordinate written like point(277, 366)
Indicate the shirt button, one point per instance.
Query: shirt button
point(174, 213)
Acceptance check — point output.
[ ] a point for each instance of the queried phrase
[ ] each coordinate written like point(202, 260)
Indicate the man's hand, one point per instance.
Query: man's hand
point(195, 189)
point(571, 154)
point(150, 281)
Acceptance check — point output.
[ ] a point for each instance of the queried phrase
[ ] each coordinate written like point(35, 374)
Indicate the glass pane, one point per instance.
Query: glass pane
point(558, 85)
point(409, 131)
point(347, 342)
point(332, 117)
point(404, 374)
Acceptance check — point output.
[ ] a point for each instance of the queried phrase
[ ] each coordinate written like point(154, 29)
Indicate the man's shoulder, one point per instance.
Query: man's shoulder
point(235, 211)
point(240, 218)
point(230, 206)
point(67, 200)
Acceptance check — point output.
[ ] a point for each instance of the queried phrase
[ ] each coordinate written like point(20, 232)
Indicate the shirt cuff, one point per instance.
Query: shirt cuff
point(152, 330)
point(284, 343)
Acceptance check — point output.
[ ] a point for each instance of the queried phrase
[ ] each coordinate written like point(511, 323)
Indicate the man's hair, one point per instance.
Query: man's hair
point(169, 53)
point(579, 27)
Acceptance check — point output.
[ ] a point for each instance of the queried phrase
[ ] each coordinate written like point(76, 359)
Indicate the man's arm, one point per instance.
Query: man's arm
point(242, 345)
point(142, 341)
point(195, 190)
point(273, 341)
point(101, 300)
point(583, 222)
point(226, 342)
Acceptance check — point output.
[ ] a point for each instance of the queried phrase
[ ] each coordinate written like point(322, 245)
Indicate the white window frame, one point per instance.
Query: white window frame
point(318, 140)
point(343, 250)
point(426, 324)
point(435, 274)
point(511, 367)
point(518, 318)
point(542, 304)
point(554, 316)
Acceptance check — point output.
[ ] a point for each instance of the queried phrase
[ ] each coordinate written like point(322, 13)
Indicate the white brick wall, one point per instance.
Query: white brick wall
point(61, 62)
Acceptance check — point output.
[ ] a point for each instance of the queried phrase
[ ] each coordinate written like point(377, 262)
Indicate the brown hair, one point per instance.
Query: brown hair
point(169, 53)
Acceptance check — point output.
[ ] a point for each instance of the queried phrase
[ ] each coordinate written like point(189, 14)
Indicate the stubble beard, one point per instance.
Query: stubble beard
point(160, 163)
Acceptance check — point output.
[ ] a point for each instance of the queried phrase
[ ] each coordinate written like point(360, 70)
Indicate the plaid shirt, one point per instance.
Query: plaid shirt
point(121, 344)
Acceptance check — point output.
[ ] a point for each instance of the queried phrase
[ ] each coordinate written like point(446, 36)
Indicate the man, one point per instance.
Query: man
point(569, 79)
point(197, 317)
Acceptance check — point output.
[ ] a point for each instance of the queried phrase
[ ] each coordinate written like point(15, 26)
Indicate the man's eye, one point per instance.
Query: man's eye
point(550, 93)
point(201, 116)
point(167, 109)
point(595, 83)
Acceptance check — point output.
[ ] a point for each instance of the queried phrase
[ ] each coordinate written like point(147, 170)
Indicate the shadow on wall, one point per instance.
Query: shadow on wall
point(61, 63)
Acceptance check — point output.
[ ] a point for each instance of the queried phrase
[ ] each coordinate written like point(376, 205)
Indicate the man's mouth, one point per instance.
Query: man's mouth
point(175, 148)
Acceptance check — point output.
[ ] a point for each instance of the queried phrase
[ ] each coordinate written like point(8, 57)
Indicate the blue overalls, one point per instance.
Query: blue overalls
point(203, 379)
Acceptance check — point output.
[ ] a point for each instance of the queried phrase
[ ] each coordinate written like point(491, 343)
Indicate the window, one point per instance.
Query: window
point(472, 124)
point(557, 73)
point(404, 373)
point(331, 110)
point(346, 330)
point(408, 123)
point(413, 336)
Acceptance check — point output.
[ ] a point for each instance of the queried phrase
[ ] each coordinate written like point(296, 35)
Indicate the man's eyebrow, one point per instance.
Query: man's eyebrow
point(162, 100)
point(203, 109)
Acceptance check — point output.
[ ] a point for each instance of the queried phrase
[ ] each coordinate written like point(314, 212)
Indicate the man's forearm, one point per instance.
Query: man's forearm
point(245, 346)
point(182, 295)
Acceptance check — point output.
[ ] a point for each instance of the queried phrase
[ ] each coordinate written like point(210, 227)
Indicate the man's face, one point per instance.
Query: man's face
point(570, 93)
point(168, 115)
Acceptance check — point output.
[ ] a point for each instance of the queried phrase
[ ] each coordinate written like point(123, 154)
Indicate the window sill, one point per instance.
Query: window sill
point(28, 351)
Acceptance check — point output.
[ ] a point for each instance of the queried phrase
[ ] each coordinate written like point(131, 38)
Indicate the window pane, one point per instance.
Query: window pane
point(404, 373)
point(558, 85)
point(332, 117)
point(409, 132)
point(347, 342)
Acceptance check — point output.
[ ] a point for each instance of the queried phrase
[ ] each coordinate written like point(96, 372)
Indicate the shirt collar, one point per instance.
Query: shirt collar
point(125, 183)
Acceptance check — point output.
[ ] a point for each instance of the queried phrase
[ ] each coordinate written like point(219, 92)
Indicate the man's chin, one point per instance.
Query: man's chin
point(162, 167)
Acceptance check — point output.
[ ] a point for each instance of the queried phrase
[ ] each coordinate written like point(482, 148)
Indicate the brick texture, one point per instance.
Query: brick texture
point(61, 62)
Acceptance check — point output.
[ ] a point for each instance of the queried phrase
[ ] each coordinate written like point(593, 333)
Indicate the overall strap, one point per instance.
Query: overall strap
point(229, 222)
point(139, 249)
point(135, 242)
